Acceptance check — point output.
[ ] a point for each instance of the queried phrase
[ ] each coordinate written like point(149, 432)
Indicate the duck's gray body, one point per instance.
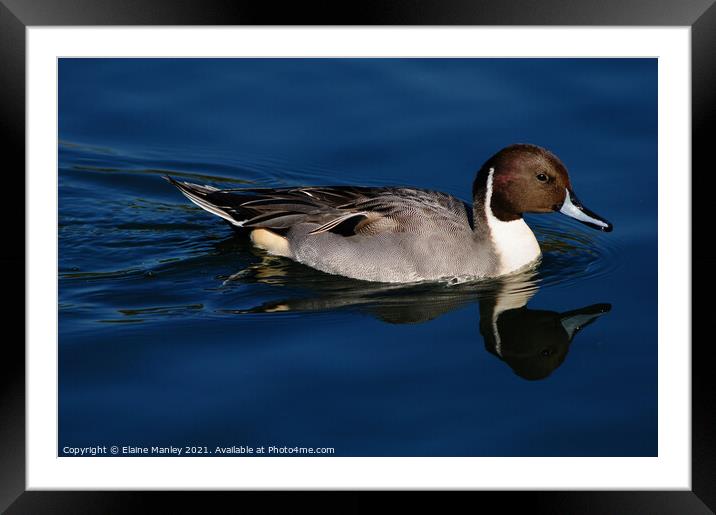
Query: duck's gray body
point(400, 257)
point(373, 234)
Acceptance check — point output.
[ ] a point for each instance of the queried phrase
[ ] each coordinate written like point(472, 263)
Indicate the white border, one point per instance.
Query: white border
point(671, 470)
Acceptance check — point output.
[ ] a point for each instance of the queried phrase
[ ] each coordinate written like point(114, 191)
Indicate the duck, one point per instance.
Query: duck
point(405, 234)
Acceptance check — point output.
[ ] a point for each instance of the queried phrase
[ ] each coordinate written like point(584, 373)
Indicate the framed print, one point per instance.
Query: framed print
point(430, 251)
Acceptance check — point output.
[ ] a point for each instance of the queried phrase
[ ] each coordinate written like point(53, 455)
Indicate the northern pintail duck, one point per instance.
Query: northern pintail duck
point(393, 234)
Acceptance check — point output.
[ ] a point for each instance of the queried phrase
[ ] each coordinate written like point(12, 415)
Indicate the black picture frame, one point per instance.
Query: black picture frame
point(17, 15)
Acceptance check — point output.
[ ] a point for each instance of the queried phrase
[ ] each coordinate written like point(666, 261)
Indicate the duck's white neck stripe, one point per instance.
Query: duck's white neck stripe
point(488, 194)
point(514, 241)
point(492, 220)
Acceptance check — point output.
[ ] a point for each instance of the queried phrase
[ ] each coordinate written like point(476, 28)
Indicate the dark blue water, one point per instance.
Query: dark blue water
point(173, 331)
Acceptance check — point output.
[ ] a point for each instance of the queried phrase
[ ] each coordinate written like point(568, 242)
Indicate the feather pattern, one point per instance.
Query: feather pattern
point(375, 210)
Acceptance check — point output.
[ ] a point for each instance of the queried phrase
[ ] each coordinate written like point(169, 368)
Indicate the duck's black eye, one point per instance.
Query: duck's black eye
point(542, 177)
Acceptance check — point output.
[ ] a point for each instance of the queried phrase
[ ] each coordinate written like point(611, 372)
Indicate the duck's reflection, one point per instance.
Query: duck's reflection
point(533, 342)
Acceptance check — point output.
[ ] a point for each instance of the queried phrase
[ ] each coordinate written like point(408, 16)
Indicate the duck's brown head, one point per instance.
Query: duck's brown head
point(530, 179)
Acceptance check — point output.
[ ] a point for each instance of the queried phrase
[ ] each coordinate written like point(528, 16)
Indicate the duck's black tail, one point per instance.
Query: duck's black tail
point(218, 202)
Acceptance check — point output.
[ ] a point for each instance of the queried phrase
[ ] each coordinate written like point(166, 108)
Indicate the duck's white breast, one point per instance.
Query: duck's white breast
point(514, 241)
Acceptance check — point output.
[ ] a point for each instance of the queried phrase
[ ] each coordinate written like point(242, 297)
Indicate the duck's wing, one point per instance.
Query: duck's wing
point(405, 210)
point(346, 210)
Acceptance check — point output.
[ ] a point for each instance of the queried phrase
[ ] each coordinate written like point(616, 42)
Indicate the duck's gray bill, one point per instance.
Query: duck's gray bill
point(572, 207)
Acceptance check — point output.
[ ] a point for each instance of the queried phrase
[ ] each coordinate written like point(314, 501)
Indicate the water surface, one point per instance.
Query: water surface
point(175, 331)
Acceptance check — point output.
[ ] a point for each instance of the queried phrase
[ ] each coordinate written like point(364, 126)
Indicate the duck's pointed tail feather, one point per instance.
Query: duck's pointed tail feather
point(206, 198)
